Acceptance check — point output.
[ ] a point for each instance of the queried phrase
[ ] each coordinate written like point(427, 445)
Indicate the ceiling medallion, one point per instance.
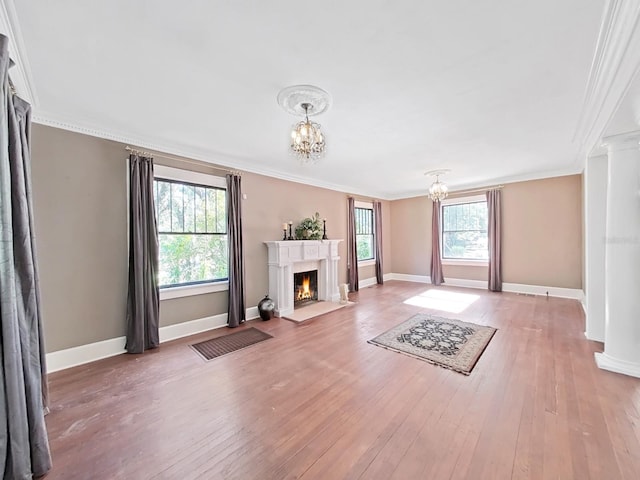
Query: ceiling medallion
point(438, 191)
point(307, 140)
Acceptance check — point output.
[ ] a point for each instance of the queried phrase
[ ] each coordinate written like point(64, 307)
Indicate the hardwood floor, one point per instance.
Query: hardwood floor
point(318, 402)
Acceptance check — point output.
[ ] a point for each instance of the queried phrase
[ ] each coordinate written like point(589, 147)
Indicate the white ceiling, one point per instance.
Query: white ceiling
point(490, 89)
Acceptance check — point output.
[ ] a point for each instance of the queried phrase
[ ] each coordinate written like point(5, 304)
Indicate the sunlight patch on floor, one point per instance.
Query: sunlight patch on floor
point(452, 302)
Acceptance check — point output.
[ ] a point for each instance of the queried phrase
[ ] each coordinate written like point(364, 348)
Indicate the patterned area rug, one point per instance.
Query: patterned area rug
point(210, 349)
point(452, 344)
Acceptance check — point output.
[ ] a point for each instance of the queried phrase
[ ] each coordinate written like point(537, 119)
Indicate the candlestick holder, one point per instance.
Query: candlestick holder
point(290, 233)
point(284, 234)
point(324, 229)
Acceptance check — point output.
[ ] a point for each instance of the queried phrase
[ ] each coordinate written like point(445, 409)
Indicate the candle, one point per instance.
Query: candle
point(284, 226)
point(290, 222)
point(324, 219)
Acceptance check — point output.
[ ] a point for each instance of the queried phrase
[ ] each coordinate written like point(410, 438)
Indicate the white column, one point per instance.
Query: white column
point(595, 219)
point(622, 257)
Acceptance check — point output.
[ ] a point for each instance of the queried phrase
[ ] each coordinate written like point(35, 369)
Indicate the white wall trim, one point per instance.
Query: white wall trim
point(82, 354)
point(404, 277)
point(454, 188)
point(615, 64)
point(189, 290)
point(21, 72)
point(467, 262)
point(367, 282)
point(366, 263)
point(91, 352)
point(184, 329)
point(574, 293)
point(463, 282)
point(605, 362)
point(252, 312)
point(224, 160)
point(160, 145)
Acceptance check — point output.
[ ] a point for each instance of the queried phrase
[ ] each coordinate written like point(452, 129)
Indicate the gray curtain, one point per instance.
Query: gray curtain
point(437, 276)
point(237, 309)
point(143, 302)
point(24, 446)
point(377, 215)
point(352, 252)
point(494, 204)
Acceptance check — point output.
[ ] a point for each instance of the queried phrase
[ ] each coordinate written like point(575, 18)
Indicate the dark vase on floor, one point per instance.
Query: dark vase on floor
point(266, 308)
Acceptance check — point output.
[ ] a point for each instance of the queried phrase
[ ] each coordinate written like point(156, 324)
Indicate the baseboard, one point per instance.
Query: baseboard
point(367, 282)
point(463, 282)
point(72, 357)
point(403, 277)
point(605, 362)
point(574, 293)
point(252, 312)
point(184, 329)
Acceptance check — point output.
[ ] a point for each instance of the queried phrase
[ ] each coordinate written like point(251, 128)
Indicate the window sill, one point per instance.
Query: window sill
point(366, 263)
point(465, 262)
point(189, 290)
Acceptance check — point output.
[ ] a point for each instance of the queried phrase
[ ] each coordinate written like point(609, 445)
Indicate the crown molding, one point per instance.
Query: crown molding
point(208, 156)
point(21, 72)
point(615, 64)
point(524, 177)
point(622, 141)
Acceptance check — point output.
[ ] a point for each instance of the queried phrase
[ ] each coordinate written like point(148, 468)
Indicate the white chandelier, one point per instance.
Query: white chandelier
point(438, 191)
point(308, 142)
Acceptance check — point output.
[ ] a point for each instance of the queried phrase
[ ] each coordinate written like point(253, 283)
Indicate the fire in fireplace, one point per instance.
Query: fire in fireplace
point(305, 287)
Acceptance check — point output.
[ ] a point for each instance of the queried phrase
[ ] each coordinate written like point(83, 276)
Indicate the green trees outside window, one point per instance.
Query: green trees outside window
point(192, 232)
point(364, 233)
point(464, 231)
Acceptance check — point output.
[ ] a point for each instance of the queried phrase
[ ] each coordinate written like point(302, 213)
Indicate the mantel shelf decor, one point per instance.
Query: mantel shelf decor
point(310, 228)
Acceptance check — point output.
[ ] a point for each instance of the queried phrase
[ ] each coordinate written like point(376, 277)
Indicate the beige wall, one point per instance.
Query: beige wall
point(543, 232)
point(411, 236)
point(542, 235)
point(80, 204)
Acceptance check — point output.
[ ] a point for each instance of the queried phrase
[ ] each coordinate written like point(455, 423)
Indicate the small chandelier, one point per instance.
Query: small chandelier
point(307, 140)
point(438, 191)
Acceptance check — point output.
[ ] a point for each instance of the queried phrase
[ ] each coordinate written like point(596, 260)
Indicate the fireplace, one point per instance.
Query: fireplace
point(305, 288)
point(291, 256)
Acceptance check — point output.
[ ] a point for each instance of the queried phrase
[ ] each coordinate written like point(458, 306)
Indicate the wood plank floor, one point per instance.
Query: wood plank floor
point(318, 402)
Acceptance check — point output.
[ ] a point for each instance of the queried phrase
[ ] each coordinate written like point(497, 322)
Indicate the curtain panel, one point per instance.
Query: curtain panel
point(24, 445)
point(352, 251)
point(377, 215)
point(437, 277)
point(143, 300)
point(236, 294)
point(494, 231)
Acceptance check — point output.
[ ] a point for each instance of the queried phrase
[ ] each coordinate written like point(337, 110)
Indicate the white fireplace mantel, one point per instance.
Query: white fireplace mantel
point(290, 256)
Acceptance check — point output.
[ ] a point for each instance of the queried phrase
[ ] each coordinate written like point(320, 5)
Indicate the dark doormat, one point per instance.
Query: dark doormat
point(216, 347)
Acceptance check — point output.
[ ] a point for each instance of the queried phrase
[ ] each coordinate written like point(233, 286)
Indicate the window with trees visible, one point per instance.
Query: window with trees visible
point(364, 233)
point(192, 231)
point(464, 229)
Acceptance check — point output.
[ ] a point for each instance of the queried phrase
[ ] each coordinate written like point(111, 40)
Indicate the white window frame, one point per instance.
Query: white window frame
point(368, 205)
point(468, 262)
point(177, 174)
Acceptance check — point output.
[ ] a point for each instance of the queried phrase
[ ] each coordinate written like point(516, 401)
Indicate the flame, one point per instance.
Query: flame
point(304, 291)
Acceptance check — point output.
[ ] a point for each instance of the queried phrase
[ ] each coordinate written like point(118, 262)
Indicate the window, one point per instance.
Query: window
point(192, 227)
point(464, 229)
point(364, 231)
